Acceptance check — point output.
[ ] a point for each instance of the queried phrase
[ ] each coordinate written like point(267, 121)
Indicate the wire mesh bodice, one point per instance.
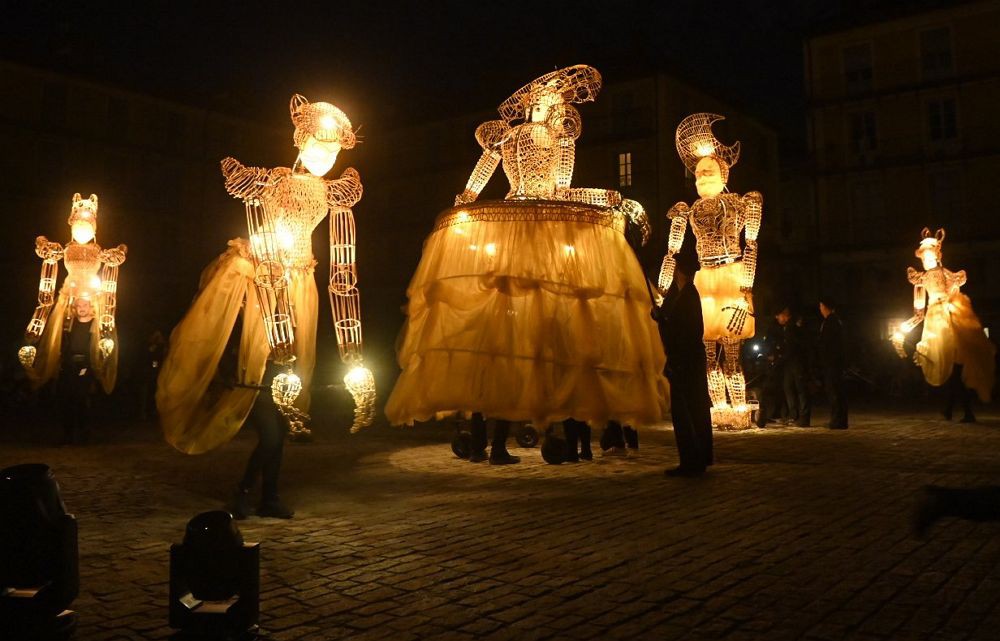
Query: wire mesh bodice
point(82, 262)
point(530, 154)
point(717, 223)
point(298, 203)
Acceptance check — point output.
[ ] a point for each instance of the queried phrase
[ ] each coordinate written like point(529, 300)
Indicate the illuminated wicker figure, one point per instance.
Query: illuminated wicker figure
point(283, 205)
point(725, 280)
point(952, 332)
point(534, 307)
point(92, 273)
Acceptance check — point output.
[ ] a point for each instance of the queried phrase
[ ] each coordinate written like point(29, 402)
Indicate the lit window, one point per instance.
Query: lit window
point(935, 52)
point(862, 132)
point(858, 68)
point(942, 123)
point(625, 169)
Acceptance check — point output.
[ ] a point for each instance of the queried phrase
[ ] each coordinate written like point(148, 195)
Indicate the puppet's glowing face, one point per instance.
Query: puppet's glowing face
point(930, 253)
point(708, 178)
point(319, 157)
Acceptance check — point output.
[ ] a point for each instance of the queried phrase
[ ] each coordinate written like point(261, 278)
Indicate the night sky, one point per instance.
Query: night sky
point(388, 64)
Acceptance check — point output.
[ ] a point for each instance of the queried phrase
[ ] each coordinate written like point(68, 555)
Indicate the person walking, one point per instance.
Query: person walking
point(833, 362)
point(682, 331)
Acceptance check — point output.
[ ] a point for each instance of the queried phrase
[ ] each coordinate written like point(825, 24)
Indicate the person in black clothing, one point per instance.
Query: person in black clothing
point(498, 449)
point(76, 380)
point(272, 429)
point(793, 358)
point(833, 362)
point(265, 461)
point(771, 395)
point(682, 331)
point(156, 349)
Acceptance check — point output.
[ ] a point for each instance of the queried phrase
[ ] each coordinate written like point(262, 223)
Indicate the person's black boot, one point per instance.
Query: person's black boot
point(968, 418)
point(571, 430)
point(503, 457)
point(240, 504)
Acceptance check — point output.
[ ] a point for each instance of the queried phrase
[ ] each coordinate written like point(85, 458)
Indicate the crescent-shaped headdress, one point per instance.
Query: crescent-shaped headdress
point(579, 83)
point(695, 140)
point(322, 121)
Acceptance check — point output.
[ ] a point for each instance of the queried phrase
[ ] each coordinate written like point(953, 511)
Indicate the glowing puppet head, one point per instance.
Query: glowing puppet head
point(321, 131)
point(533, 101)
point(83, 218)
point(703, 155)
point(929, 251)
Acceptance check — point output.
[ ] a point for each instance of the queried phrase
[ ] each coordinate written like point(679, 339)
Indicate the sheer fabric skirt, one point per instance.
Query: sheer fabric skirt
point(529, 311)
point(953, 334)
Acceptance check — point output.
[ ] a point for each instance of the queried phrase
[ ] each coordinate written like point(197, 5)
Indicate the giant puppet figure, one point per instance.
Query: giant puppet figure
point(91, 273)
point(725, 280)
point(952, 333)
point(532, 308)
point(284, 205)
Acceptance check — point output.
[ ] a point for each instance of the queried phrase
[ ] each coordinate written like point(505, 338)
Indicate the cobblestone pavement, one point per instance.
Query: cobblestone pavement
point(795, 534)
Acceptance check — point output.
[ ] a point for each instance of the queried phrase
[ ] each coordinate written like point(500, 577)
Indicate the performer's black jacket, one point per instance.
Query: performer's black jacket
point(682, 331)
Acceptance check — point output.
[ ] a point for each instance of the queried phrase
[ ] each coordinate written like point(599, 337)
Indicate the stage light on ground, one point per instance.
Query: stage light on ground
point(39, 559)
point(214, 580)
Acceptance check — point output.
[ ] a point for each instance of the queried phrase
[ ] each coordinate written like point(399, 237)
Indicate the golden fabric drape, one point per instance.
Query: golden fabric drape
point(953, 334)
point(529, 311)
point(198, 412)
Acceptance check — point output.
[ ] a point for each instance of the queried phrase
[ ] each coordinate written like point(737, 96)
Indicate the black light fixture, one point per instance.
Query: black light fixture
point(214, 580)
point(39, 557)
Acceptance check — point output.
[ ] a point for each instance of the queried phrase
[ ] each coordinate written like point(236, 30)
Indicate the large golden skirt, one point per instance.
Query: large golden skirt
point(719, 288)
point(529, 311)
point(953, 335)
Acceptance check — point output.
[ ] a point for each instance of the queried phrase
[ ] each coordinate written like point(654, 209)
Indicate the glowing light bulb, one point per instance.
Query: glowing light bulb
point(106, 346)
point(490, 249)
point(27, 355)
point(703, 149)
point(319, 157)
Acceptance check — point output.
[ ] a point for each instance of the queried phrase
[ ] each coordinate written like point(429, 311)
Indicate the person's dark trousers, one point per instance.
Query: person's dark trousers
point(479, 437)
point(613, 436)
point(692, 425)
point(958, 392)
point(74, 403)
point(797, 394)
point(577, 440)
point(833, 383)
point(266, 458)
point(631, 436)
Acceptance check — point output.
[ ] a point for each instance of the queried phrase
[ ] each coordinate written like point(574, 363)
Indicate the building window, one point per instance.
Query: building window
point(935, 53)
point(858, 68)
point(942, 122)
point(625, 169)
point(863, 137)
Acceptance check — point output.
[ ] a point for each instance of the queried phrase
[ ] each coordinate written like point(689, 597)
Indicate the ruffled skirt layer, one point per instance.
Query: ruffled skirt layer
point(529, 311)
